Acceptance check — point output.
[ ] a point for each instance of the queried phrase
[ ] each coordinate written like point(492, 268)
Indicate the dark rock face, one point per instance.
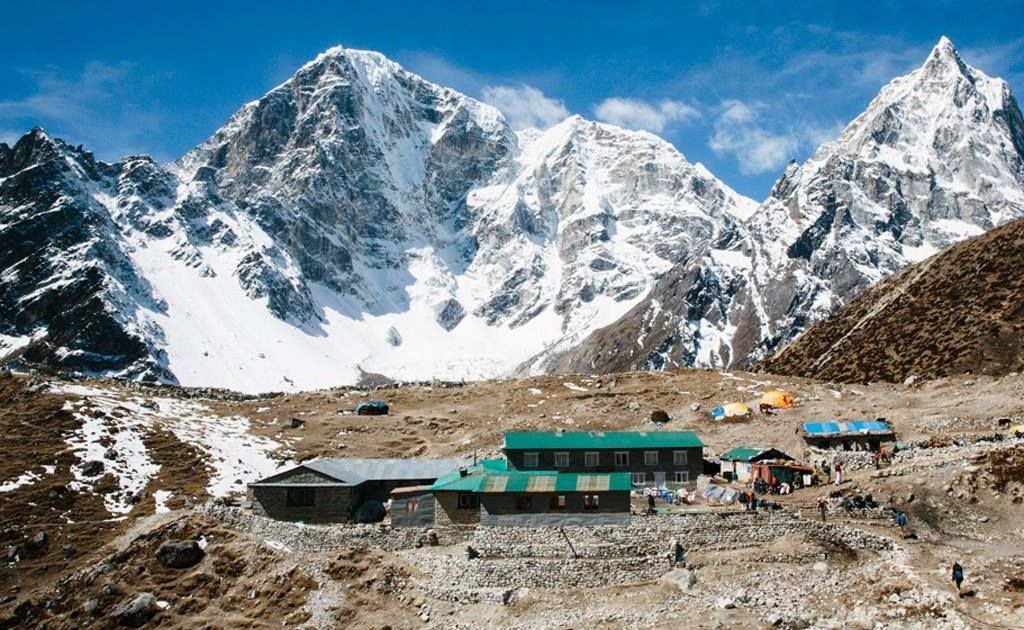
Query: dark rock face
point(179, 554)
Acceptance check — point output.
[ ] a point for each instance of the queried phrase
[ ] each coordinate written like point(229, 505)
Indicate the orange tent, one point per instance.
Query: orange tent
point(778, 398)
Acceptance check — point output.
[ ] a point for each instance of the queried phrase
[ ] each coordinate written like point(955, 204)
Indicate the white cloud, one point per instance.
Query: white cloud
point(634, 113)
point(103, 107)
point(525, 106)
point(738, 132)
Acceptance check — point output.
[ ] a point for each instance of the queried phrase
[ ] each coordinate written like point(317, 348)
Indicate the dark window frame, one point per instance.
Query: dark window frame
point(557, 503)
point(300, 496)
point(468, 501)
point(591, 502)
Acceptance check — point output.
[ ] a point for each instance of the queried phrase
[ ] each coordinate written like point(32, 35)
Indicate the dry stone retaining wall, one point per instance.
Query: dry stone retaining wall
point(303, 537)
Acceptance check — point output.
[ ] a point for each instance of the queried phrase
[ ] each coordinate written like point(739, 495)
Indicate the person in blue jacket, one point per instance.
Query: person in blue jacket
point(958, 576)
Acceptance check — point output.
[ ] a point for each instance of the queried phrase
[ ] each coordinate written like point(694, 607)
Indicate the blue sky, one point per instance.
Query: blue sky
point(740, 86)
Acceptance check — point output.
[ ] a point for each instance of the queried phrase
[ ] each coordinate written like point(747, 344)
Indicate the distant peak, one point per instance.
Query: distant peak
point(944, 56)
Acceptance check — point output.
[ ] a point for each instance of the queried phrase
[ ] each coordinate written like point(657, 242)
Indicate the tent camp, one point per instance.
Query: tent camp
point(372, 408)
point(731, 410)
point(778, 399)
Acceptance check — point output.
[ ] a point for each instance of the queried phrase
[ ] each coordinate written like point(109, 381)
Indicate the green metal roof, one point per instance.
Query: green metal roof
point(579, 440)
point(742, 453)
point(490, 481)
point(747, 453)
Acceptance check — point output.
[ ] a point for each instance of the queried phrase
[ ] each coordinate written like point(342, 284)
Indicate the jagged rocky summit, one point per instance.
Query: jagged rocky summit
point(937, 157)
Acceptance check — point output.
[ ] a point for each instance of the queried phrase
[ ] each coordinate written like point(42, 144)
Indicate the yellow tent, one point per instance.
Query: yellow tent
point(732, 410)
point(778, 398)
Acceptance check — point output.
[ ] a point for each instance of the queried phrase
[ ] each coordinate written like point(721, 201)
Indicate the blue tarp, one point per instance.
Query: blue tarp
point(819, 429)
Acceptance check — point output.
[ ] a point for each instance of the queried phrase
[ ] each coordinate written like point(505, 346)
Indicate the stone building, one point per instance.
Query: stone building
point(494, 494)
point(331, 490)
point(651, 458)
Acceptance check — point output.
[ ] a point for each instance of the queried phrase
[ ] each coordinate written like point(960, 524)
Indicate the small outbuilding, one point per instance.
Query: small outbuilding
point(737, 461)
point(853, 435)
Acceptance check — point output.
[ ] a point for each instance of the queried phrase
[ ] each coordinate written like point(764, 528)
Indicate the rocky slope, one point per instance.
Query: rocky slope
point(937, 157)
point(959, 311)
point(356, 219)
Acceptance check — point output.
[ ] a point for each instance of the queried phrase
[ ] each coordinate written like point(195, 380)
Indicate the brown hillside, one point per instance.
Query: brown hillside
point(960, 311)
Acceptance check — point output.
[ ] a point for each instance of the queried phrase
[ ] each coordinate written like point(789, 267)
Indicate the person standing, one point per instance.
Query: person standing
point(901, 522)
point(822, 507)
point(958, 577)
point(839, 472)
point(825, 468)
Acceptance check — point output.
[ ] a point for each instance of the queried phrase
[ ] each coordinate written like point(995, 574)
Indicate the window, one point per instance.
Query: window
point(300, 497)
point(639, 478)
point(531, 460)
point(557, 502)
point(562, 460)
point(524, 503)
point(681, 476)
point(468, 501)
point(679, 458)
point(591, 501)
point(622, 458)
point(592, 459)
point(650, 458)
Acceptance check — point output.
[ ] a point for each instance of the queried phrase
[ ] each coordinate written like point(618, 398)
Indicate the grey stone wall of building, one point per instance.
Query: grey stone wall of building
point(413, 510)
point(606, 461)
point(502, 509)
point(331, 504)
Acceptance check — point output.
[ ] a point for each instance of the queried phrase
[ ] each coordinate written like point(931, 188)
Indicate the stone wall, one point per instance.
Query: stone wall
point(303, 537)
point(650, 536)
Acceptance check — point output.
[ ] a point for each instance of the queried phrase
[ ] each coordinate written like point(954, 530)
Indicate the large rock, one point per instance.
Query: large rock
point(135, 611)
point(179, 554)
point(683, 579)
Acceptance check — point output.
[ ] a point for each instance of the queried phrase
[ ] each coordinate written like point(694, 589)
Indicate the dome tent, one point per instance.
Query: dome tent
point(778, 398)
point(731, 410)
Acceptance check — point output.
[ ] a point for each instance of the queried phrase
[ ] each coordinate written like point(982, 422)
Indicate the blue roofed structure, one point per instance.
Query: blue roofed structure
point(857, 435)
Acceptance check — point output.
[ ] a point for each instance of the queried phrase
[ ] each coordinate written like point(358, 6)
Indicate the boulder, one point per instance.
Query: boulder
point(683, 579)
point(93, 468)
point(37, 542)
point(296, 423)
point(179, 554)
point(660, 415)
point(135, 611)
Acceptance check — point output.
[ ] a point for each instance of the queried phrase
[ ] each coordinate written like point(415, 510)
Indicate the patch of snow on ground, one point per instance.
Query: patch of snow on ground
point(535, 391)
point(160, 497)
point(22, 480)
point(114, 438)
point(233, 456)
point(574, 387)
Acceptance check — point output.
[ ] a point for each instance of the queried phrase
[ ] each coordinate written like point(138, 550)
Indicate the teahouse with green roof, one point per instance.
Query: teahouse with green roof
point(493, 494)
point(651, 458)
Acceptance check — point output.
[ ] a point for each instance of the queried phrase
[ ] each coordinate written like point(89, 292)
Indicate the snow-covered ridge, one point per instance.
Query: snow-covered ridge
point(356, 219)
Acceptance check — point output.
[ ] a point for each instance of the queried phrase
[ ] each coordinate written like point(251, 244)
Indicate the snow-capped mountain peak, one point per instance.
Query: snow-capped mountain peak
point(358, 218)
point(937, 156)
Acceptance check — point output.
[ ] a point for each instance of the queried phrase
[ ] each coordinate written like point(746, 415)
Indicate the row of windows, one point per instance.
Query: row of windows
point(592, 459)
point(524, 503)
point(679, 476)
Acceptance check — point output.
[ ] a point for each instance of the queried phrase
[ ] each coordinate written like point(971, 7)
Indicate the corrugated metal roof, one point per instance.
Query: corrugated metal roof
point(742, 453)
point(486, 481)
point(578, 440)
point(852, 427)
point(355, 471)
